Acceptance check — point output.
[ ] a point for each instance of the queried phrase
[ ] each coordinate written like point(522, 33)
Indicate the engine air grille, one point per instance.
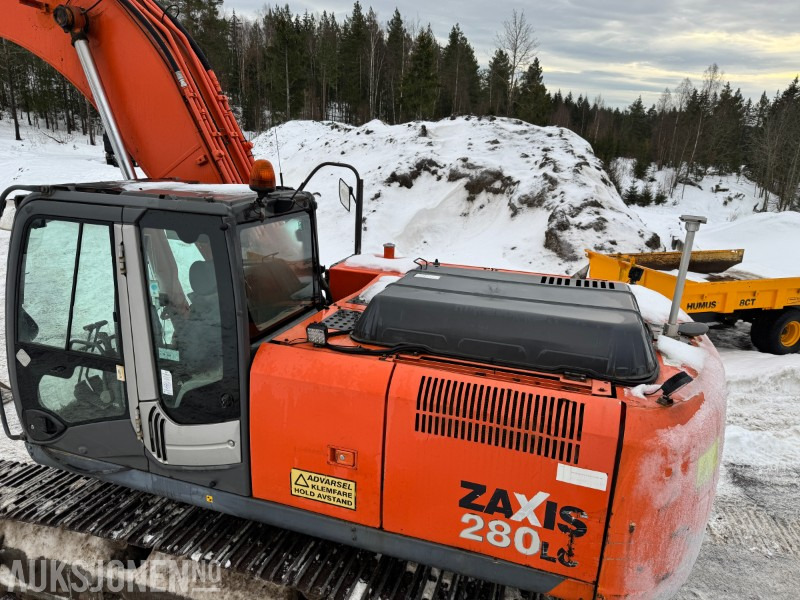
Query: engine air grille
point(534, 423)
point(581, 283)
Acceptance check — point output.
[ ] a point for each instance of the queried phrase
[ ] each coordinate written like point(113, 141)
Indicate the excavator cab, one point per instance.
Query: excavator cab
point(136, 314)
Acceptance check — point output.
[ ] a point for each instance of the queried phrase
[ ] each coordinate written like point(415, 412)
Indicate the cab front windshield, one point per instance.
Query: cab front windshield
point(278, 260)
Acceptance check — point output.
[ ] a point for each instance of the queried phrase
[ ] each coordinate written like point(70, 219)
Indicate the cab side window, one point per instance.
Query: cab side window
point(192, 317)
point(66, 321)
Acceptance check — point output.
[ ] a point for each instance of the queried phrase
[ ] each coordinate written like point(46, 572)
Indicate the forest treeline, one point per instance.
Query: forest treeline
point(283, 65)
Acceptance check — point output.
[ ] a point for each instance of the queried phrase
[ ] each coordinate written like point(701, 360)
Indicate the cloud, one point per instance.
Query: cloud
point(619, 48)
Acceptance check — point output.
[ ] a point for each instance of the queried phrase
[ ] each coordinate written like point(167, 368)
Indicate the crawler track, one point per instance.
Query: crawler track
point(315, 568)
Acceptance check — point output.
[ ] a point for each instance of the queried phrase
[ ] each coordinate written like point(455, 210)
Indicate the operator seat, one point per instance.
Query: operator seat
point(201, 343)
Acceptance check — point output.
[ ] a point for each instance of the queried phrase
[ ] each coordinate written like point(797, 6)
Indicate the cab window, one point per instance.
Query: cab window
point(278, 262)
point(67, 322)
point(192, 317)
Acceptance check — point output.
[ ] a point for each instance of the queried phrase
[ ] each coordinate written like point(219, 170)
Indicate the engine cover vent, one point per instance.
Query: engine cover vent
point(497, 416)
point(581, 283)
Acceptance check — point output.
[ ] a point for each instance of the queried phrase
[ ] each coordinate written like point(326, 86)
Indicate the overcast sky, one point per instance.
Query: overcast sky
point(618, 48)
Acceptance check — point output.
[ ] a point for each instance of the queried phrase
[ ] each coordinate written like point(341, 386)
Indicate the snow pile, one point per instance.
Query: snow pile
point(741, 445)
point(721, 198)
point(655, 307)
point(377, 287)
point(488, 192)
point(397, 264)
point(677, 353)
point(771, 242)
point(763, 409)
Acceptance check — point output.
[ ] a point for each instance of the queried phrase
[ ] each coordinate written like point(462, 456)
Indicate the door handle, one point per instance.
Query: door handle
point(42, 426)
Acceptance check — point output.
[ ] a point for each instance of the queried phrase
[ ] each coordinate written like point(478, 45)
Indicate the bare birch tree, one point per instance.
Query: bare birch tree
point(712, 80)
point(518, 41)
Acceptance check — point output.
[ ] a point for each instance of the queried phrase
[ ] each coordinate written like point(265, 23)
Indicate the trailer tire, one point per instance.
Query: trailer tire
point(759, 329)
point(777, 332)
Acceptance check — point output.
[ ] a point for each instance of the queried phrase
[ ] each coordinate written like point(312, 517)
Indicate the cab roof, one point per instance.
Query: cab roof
point(217, 199)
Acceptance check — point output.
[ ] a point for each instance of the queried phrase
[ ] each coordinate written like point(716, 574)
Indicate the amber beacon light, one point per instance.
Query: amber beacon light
point(262, 177)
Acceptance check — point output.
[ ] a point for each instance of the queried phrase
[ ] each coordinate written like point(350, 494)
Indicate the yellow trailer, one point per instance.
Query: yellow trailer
point(771, 305)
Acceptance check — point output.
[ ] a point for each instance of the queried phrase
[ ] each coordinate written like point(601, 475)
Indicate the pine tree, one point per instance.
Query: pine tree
point(286, 57)
point(398, 48)
point(375, 54)
point(459, 76)
point(353, 75)
point(328, 43)
point(646, 197)
point(10, 80)
point(631, 195)
point(421, 84)
point(534, 101)
point(497, 82)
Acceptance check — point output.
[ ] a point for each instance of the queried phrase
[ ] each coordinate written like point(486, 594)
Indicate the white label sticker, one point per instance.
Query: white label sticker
point(166, 382)
point(23, 358)
point(595, 480)
point(426, 276)
point(120, 373)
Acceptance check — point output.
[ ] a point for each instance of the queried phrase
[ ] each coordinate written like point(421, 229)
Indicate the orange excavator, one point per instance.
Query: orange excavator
point(184, 340)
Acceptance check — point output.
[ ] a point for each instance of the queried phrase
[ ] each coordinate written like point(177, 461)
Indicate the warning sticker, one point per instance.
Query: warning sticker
point(324, 488)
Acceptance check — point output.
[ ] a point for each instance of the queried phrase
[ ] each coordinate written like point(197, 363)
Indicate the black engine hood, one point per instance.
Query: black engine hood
point(538, 322)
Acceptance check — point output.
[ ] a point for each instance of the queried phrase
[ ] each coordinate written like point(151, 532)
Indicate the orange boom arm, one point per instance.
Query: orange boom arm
point(169, 107)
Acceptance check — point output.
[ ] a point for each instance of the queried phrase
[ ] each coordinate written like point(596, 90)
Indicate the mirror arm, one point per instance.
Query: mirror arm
point(359, 196)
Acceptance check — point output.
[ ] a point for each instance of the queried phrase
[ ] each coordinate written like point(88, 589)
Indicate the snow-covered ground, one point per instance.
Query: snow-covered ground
point(752, 549)
point(770, 239)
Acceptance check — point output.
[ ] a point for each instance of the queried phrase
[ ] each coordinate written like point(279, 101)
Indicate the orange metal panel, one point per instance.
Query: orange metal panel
point(665, 488)
point(500, 471)
point(346, 281)
point(306, 402)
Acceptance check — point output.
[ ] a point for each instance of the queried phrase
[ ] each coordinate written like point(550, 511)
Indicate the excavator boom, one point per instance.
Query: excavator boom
point(169, 107)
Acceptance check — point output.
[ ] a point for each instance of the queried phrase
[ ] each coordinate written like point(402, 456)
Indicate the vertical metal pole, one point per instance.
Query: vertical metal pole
point(692, 225)
point(359, 212)
point(104, 108)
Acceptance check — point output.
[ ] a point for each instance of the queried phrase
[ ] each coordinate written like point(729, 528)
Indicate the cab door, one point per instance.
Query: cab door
point(65, 334)
point(188, 348)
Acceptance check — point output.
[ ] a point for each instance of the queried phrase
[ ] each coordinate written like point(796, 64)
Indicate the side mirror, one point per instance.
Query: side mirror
point(345, 194)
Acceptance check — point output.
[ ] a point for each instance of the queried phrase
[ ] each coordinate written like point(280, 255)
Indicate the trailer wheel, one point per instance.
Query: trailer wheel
point(759, 330)
point(777, 333)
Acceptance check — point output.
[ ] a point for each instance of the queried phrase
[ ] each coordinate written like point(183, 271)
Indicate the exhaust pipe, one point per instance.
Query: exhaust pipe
point(692, 225)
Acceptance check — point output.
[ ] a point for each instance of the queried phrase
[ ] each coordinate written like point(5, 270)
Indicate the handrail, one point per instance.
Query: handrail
point(4, 418)
point(7, 192)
